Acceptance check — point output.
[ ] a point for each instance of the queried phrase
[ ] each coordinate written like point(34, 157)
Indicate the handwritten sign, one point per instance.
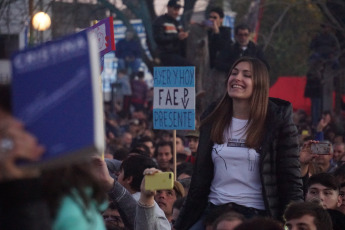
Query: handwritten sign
point(104, 32)
point(174, 98)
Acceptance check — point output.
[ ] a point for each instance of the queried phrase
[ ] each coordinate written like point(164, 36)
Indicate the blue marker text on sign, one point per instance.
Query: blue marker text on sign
point(174, 98)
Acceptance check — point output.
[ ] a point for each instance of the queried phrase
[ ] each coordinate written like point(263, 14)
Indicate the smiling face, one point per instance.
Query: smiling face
point(164, 155)
point(240, 82)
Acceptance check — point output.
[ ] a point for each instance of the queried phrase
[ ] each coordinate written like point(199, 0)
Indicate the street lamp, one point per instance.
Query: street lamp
point(41, 21)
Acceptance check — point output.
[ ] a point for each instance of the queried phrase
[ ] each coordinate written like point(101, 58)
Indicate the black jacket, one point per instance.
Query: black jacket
point(217, 42)
point(165, 32)
point(231, 52)
point(279, 167)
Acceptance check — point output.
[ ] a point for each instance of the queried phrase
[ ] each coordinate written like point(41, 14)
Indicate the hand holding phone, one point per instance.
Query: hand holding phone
point(321, 148)
point(159, 181)
point(208, 23)
point(154, 180)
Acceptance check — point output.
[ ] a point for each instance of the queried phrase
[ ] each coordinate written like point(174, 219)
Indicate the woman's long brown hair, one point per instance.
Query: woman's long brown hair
point(222, 114)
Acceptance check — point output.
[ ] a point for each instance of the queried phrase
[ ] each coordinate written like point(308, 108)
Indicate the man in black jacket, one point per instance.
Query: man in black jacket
point(242, 47)
point(170, 36)
point(218, 35)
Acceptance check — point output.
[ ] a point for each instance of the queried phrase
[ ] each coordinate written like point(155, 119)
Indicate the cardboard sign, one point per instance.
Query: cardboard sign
point(174, 98)
point(104, 32)
point(56, 92)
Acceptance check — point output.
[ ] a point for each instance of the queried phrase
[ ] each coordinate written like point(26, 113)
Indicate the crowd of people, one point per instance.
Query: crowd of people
point(250, 162)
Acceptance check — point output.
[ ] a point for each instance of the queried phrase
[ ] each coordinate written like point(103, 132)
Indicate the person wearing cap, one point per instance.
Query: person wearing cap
point(170, 36)
point(155, 207)
point(166, 198)
point(193, 143)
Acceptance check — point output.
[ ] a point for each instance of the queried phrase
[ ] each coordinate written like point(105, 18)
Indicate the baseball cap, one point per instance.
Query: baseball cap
point(175, 3)
point(179, 188)
point(193, 133)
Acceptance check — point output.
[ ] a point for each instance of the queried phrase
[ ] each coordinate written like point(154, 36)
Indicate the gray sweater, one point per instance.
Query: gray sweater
point(136, 216)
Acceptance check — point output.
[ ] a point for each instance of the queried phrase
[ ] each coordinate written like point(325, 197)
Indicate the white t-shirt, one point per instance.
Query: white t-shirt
point(236, 170)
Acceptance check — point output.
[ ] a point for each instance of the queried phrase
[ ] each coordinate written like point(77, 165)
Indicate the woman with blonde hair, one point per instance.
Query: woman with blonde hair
point(248, 152)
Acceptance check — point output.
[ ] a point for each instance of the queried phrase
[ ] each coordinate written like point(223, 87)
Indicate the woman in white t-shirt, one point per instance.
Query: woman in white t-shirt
point(248, 152)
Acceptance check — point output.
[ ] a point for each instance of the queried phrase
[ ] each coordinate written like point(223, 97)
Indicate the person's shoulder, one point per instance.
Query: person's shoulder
point(277, 106)
point(160, 19)
point(278, 103)
point(225, 29)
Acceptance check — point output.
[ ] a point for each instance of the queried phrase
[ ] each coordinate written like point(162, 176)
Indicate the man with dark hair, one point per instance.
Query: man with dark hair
point(307, 215)
point(149, 143)
point(170, 36)
point(131, 173)
point(324, 188)
point(218, 35)
point(112, 218)
point(242, 47)
point(164, 155)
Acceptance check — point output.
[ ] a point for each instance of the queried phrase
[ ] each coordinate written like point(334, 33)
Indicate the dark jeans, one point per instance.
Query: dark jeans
point(245, 211)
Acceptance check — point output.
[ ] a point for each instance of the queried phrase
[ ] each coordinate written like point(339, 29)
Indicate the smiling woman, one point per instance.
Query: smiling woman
point(247, 157)
point(240, 83)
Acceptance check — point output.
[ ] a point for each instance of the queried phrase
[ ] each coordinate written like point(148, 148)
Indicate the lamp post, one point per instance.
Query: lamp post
point(41, 22)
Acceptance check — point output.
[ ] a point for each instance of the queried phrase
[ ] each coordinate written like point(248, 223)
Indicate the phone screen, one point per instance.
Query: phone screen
point(321, 148)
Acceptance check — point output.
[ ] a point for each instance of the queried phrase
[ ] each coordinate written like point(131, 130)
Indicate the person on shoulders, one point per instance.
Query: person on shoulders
point(247, 157)
point(170, 36)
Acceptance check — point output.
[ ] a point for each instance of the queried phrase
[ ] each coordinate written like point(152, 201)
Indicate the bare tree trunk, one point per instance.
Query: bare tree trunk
point(197, 53)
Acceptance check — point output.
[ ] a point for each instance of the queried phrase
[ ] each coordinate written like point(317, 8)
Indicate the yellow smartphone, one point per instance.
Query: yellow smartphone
point(159, 181)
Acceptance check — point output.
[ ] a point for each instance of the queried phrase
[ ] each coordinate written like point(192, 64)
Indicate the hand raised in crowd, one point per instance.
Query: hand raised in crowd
point(147, 196)
point(101, 172)
point(325, 120)
point(215, 27)
point(306, 156)
point(17, 143)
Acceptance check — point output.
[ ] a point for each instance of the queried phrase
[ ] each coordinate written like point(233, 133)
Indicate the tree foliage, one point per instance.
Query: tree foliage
point(286, 29)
